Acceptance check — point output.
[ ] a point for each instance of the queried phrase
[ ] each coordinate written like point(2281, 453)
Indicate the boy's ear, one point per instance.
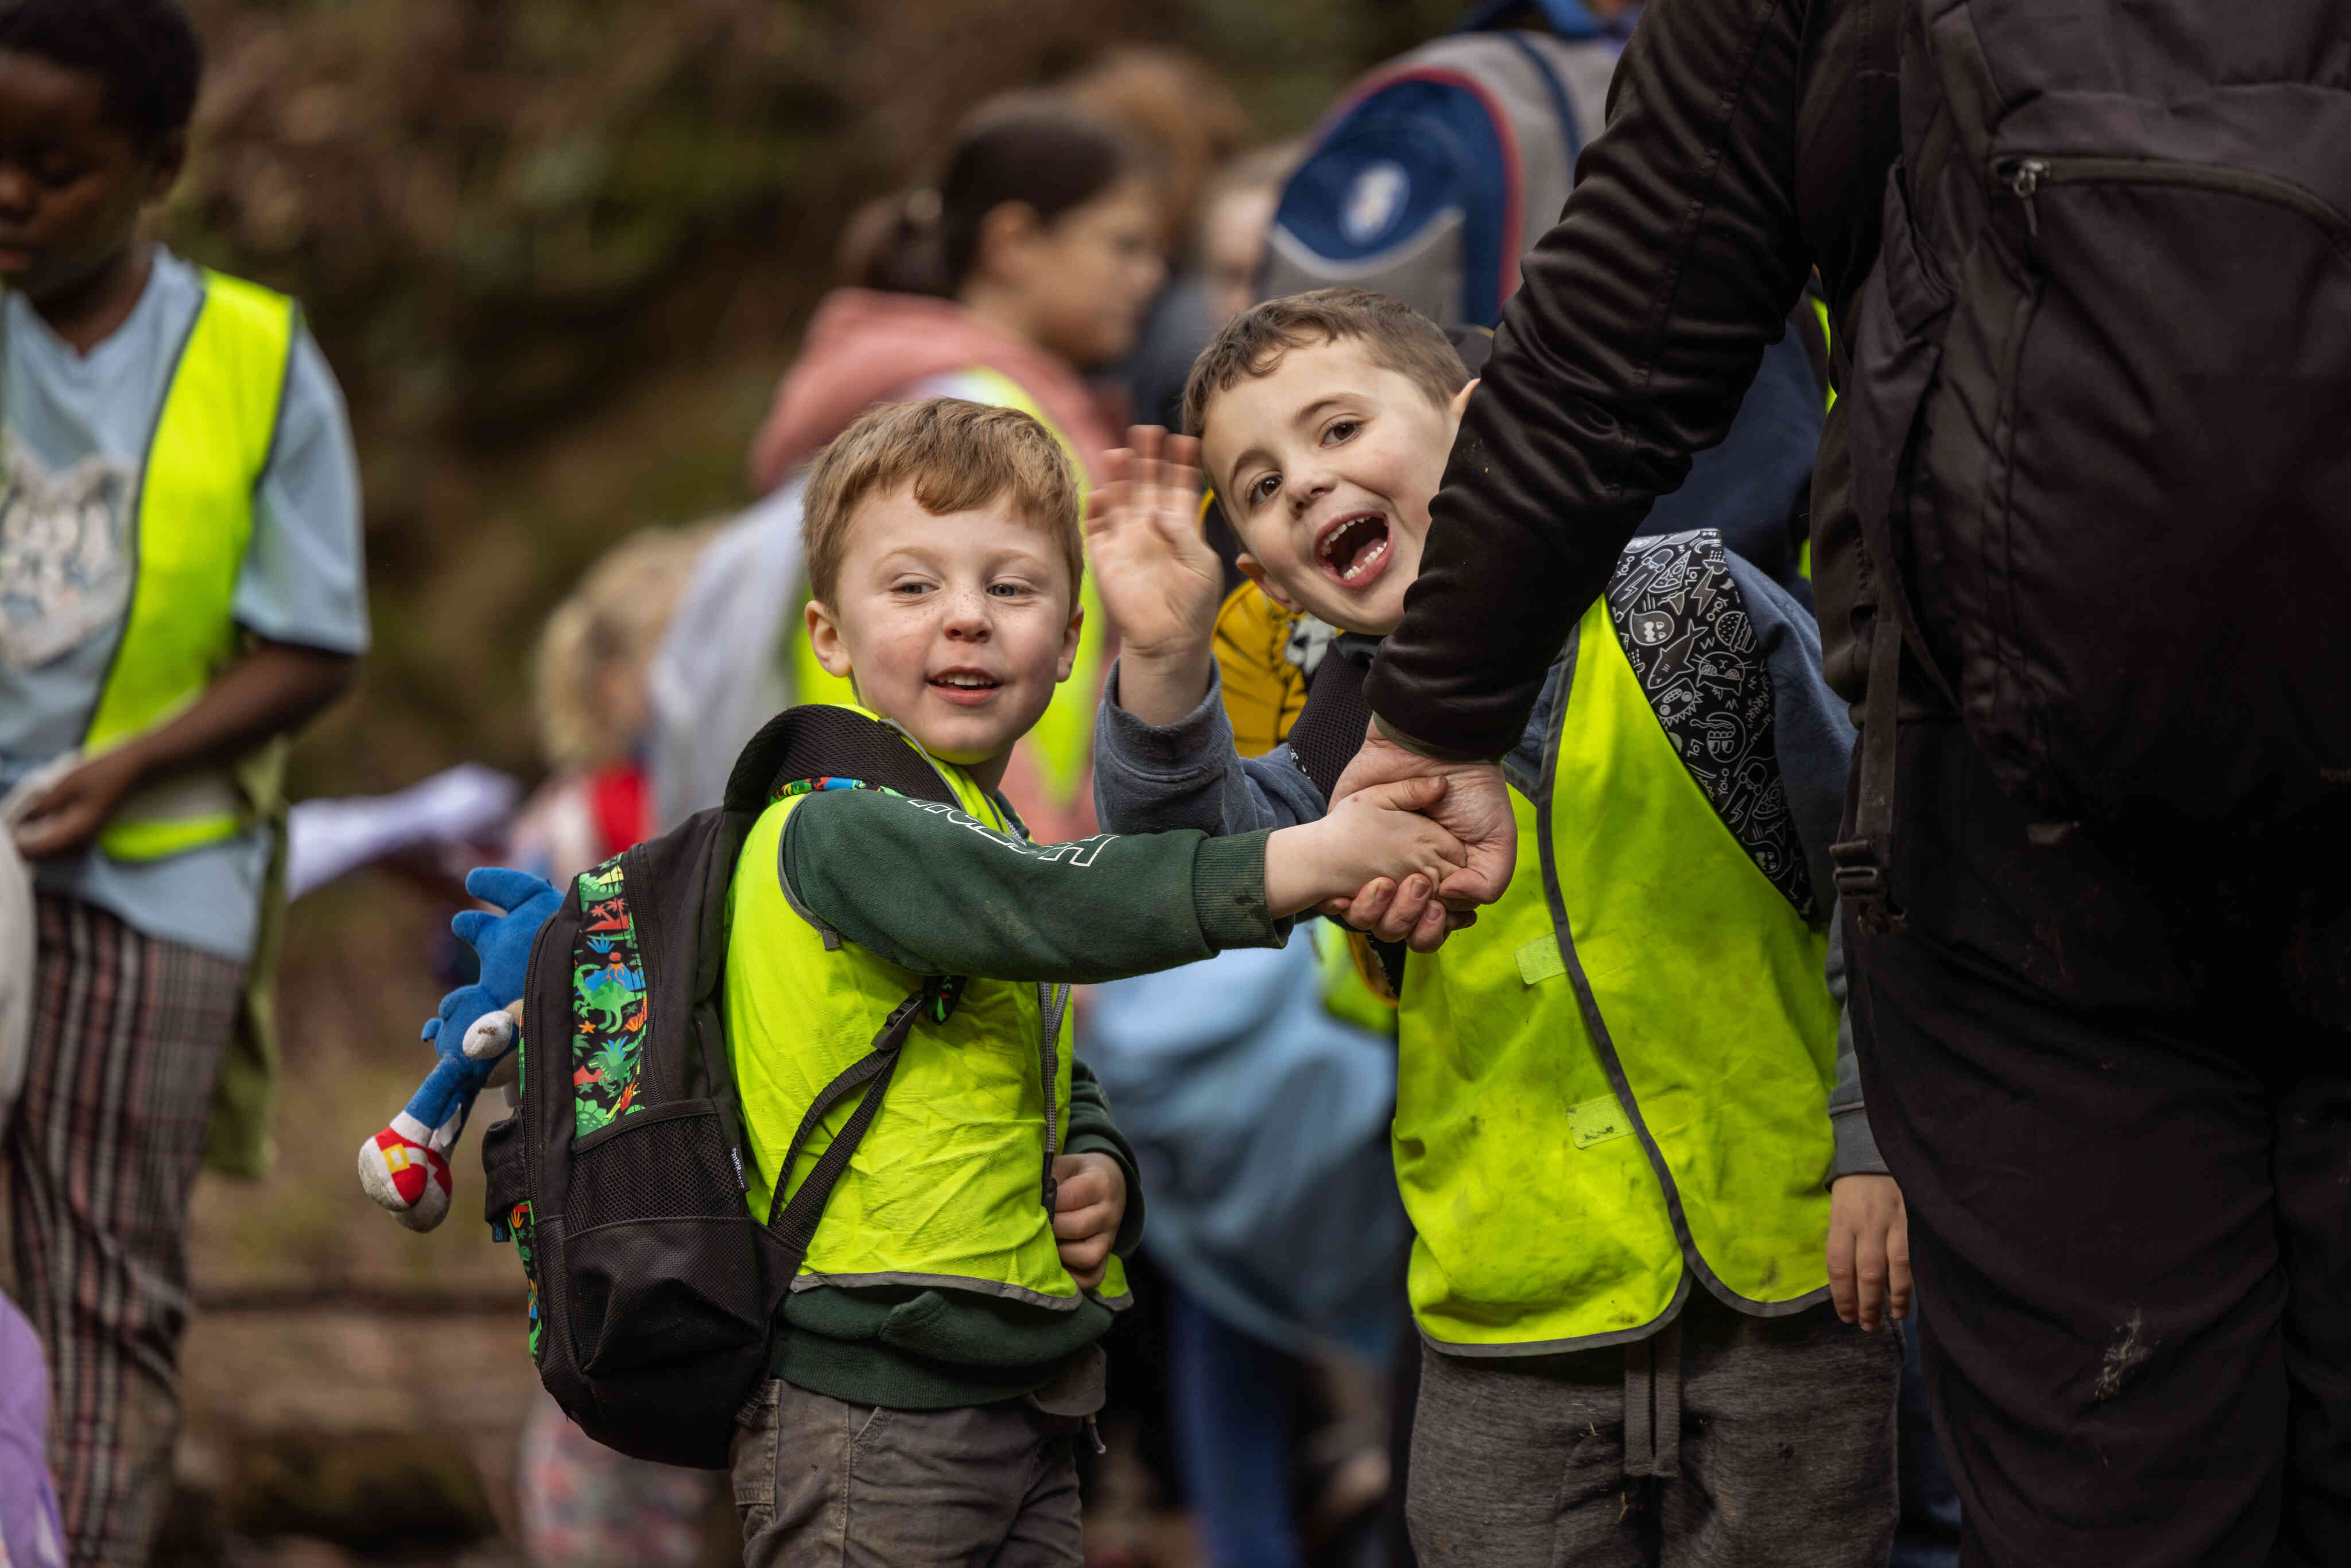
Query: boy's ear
point(824, 636)
point(1271, 589)
point(169, 156)
point(1069, 659)
point(1459, 405)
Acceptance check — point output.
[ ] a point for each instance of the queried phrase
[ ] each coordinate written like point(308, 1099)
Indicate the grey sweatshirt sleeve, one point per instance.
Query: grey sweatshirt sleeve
point(1815, 739)
point(1154, 780)
point(928, 888)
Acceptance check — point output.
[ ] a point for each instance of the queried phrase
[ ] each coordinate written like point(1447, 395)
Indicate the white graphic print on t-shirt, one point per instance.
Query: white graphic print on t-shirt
point(65, 574)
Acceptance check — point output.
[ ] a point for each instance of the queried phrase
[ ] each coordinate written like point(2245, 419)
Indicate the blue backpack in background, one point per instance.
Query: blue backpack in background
point(1437, 171)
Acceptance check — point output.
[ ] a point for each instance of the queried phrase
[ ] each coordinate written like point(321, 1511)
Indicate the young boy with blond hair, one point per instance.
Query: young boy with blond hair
point(937, 1354)
point(1626, 1127)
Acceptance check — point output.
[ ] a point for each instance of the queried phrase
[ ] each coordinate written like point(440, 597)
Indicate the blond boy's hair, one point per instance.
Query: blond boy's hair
point(957, 456)
point(1396, 336)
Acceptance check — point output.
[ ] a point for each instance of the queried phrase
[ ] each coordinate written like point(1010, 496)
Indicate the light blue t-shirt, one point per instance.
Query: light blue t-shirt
point(74, 431)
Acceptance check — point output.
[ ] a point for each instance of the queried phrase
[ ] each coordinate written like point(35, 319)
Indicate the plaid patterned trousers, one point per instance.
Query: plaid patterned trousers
point(127, 1034)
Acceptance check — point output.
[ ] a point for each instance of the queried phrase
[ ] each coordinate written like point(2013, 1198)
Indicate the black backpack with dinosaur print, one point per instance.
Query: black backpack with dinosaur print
point(620, 1176)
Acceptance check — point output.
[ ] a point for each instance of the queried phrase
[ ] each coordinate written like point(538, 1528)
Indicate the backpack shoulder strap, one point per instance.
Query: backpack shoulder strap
point(819, 745)
point(821, 741)
point(1683, 627)
point(794, 1223)
point(1329, 730)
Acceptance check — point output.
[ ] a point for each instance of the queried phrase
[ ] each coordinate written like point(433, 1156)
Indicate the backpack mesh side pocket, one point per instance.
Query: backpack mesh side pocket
point(657, 1292)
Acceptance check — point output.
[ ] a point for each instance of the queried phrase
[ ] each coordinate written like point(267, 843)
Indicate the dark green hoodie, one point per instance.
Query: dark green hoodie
point(939, 893)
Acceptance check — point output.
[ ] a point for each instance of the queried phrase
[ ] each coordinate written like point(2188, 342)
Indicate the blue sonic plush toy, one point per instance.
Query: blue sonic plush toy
point(405, 1168)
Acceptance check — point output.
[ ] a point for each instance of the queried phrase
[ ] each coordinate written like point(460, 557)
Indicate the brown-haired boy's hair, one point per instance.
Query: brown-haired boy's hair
point(957, 456)
point(1398, 336)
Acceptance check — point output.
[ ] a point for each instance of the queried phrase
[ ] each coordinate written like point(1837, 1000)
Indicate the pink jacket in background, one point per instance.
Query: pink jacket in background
point(863, 347)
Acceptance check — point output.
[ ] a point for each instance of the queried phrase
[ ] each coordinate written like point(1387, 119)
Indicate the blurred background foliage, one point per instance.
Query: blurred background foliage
point(558, 250)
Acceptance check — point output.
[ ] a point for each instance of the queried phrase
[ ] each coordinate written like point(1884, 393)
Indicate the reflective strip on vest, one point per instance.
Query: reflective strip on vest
point(189, 533)
point(1828, 344)
point(948, 1188)
point(1618, 1081)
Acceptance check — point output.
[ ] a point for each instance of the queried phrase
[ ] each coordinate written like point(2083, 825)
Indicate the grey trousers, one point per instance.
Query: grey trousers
point(1723, 1441)
point(825, 1484)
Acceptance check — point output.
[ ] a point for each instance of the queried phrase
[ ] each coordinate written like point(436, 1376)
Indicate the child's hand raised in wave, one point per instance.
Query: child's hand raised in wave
point(1158, 579)
point(1374, 836)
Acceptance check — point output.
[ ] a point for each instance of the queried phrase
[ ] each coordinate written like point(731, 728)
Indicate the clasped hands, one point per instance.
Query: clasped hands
point(1473, 805)
point(1162, 583)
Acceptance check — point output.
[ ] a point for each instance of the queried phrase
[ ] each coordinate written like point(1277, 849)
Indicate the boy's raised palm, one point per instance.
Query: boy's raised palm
point(1157, 577)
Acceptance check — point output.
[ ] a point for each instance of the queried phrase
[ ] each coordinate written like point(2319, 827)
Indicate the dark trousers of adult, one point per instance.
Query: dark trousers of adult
point(2115, 1085)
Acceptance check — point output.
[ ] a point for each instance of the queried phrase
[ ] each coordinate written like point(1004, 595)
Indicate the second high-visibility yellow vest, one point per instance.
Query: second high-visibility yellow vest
point(189, 533)
point(1614, 1088)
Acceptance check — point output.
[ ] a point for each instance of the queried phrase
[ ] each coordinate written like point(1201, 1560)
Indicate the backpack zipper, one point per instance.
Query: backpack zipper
point(1050, 1002)
point(2024, 177)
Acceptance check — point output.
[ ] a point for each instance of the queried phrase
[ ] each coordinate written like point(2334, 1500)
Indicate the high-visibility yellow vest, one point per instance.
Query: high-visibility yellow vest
point(1061, 744)
point(948, 1187)
point(188, 532)
point(1614, 1086)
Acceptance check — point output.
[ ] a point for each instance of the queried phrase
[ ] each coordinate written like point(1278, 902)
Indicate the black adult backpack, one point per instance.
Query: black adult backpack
point(2102, 407)
point(1437, 172)
point(620, 1176)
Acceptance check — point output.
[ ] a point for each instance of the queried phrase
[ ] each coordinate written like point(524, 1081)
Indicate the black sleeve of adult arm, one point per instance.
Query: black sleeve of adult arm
point(1641, 318)
point(928, 888)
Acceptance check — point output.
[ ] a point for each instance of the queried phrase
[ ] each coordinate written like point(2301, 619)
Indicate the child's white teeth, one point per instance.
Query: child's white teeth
point(1361, 567)
point(1335, 544)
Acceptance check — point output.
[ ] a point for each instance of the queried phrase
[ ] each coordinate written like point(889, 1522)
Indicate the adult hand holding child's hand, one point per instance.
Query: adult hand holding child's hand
point(1158, 577)
point(1384, 835)
point(1473, 805)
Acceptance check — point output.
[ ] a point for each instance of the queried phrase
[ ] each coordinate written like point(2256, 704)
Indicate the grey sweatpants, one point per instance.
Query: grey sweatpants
point(1722, 1441)
point(821, 1483)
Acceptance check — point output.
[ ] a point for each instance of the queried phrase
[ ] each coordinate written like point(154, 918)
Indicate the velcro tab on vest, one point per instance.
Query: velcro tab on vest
point(1539, 961)
point(1598, 1122)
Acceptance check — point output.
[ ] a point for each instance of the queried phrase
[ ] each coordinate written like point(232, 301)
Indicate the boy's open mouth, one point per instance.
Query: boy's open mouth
point(1352, 550)
point(968, 687)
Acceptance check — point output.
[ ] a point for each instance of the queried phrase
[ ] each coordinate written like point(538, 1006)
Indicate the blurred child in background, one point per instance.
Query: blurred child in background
point(1216, 279)
point(1176, 104)
point(181, 588)
point(1031, 262)
point(592, 704)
